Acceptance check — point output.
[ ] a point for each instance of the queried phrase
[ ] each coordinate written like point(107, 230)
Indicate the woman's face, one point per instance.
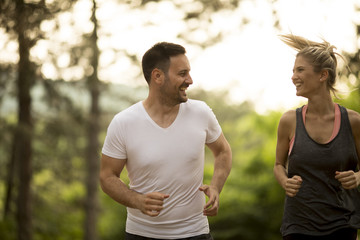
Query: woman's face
point(306, 81)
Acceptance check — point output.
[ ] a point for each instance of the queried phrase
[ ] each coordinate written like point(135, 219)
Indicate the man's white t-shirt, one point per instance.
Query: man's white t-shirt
point(167, 160)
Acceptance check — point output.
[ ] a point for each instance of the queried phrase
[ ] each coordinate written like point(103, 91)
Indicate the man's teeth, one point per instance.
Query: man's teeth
point(183, 88)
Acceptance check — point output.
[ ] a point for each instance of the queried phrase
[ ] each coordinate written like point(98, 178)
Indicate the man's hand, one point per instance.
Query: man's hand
point(151, 203)
point(293, 185)
point(211, 208)
point(348, 179)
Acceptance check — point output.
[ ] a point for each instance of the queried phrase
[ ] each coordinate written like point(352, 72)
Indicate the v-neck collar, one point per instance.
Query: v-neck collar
point(157, 125)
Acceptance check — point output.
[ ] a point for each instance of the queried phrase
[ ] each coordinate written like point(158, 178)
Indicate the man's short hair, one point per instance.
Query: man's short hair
point(158, 56)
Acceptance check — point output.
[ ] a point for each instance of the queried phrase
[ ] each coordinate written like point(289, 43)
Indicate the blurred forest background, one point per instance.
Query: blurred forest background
point(52, 128)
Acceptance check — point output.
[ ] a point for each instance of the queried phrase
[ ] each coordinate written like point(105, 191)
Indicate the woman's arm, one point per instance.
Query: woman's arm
point(351, 179)
point(286, 131)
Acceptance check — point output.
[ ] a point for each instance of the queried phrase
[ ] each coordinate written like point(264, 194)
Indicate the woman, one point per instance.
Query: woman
point(317, 151)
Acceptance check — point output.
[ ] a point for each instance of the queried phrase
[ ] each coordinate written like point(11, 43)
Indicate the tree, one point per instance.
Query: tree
point(93, 129)
point(22, 22)
point(24, 131)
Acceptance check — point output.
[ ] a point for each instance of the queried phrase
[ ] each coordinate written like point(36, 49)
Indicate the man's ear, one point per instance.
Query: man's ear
point(157, 75)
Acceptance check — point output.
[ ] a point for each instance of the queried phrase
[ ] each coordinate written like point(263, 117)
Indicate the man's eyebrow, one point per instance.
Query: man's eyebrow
point(184, 70)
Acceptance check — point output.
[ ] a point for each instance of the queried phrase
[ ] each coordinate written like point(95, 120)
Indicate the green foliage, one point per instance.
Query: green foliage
point(351, 101)
point(251, 199)
point(112, 219)
point(7, 229)
point(58, 182)
point(251, 203)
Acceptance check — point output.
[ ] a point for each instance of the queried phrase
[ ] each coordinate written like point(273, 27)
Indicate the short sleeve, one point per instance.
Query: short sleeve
point(114, 145)
point(214, 128)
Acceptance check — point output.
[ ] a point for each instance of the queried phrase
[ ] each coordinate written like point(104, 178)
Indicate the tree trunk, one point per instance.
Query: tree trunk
point(92, 160)
point(10, 179)
point(24, 130)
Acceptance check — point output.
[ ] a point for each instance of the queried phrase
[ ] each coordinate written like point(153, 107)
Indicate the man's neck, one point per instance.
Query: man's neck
point(163, 115)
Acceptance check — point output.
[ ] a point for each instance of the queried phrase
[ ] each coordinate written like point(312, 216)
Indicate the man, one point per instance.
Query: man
point(161, 141)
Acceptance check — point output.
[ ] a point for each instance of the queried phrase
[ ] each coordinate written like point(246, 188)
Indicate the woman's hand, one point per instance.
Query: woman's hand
point(348, 179)
point(293, 185)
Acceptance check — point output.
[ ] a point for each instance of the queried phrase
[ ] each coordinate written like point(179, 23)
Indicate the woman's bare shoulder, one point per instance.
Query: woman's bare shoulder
point(287, 125)
point(354, 118)
point(288, 118)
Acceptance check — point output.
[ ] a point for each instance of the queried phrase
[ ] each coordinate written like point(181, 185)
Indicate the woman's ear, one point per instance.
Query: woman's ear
point(324, 75)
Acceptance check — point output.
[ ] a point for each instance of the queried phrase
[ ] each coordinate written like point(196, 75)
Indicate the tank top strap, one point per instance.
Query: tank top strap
point(336, 128)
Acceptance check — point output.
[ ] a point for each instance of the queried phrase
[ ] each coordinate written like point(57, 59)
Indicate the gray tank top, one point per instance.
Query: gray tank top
point(321, 206)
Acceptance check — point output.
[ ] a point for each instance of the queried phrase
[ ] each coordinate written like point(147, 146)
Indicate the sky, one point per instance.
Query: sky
point(257, 65)
point(250, 61)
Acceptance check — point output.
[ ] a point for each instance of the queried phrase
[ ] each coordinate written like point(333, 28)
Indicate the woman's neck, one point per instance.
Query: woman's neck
point(320, 105)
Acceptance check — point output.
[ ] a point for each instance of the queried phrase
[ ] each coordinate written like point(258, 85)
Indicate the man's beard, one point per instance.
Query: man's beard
point(174, 99)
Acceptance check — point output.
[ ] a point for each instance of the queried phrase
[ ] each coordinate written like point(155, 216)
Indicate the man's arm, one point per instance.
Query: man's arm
point(222, 166)
point(150, 204)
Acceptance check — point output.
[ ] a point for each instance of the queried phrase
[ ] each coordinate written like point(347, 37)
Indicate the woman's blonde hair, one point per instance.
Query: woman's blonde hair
point(320, 55)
